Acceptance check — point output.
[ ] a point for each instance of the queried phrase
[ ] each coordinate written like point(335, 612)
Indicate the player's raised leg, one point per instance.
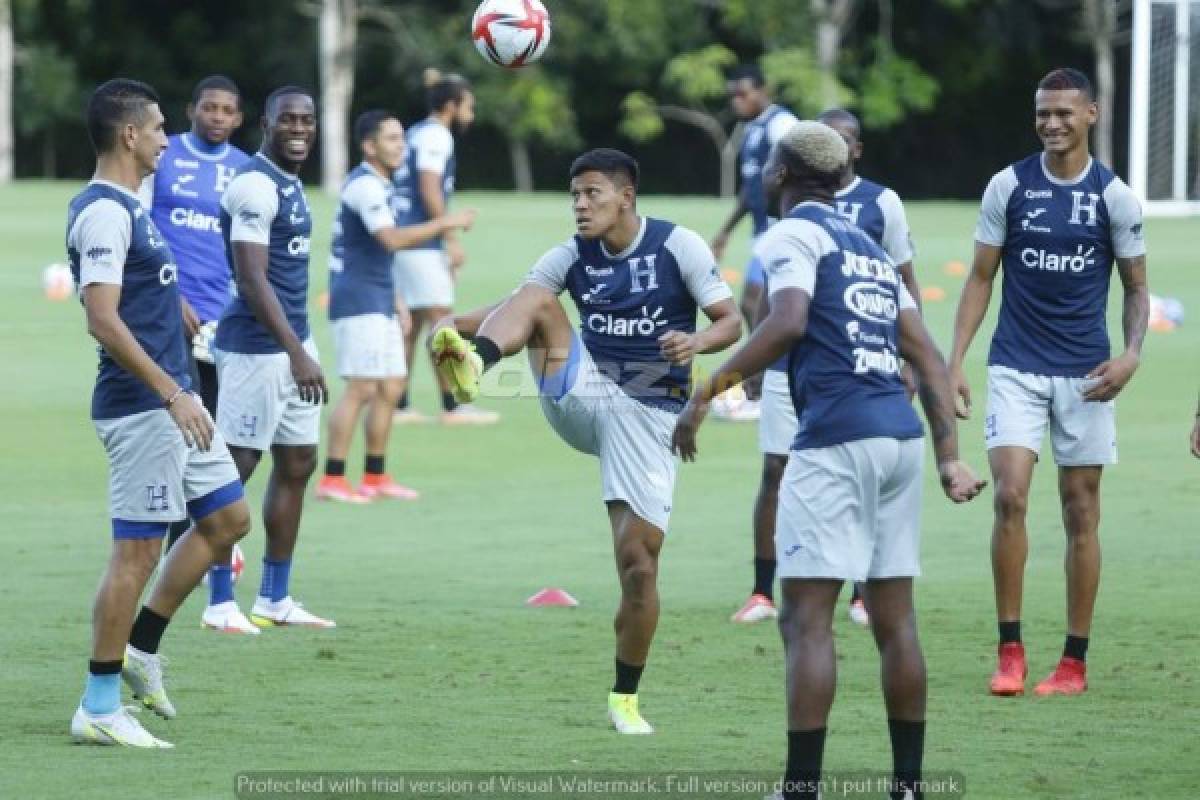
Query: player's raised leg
point(1012, 471)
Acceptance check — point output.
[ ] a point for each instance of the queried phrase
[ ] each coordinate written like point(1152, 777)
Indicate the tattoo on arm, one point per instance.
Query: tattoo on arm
point(1136, 312)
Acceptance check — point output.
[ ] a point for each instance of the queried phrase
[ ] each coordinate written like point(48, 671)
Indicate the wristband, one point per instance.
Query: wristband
point(171, 400)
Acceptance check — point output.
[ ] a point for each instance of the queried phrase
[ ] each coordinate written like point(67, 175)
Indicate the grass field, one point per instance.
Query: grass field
point(436, 665)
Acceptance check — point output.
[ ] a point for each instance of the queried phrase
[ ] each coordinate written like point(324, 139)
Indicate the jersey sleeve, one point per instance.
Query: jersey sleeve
point(433, 145)
point(1124, 220)
point(367, 197)
point(992, 228)
point(550, 271)
point(698, 267)
point(779, 126)
point(101, 235)
point(897, 239)
point(906, 299)
point(789, 253)
point(252, 203)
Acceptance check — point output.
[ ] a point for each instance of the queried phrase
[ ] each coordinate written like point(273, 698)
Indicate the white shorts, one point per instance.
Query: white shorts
point(631, 439)
point(777, 417)
point(423, 278)
point(851, 511)
point(1021, 405)
point(258, 403)
point(154, 477)
point(369, 346)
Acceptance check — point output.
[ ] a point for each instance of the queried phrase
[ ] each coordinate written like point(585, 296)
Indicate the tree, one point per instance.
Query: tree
point(48, 94)
point(6, 92)
point(1100, 23)
point(337, 33)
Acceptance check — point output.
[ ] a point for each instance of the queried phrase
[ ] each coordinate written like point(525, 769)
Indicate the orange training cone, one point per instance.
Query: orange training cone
point(552, 597)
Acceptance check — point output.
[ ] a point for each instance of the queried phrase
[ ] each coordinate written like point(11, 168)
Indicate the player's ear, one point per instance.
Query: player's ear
point(238, 118)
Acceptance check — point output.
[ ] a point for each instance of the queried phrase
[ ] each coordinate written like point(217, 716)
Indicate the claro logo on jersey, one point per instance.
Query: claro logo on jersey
point(195, 220)
point(612, 325)
point(1035, 258)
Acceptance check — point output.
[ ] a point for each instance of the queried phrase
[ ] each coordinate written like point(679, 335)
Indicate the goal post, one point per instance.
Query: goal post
point(1164, 133)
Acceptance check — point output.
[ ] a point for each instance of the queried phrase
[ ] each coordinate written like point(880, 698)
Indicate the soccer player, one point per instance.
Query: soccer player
point(765, 124)
point(271, 386)
point(165, 460)
point(425, 273)
point(366, 312)
point(1056, 221)
point(850, 501)
point(613, 389)
point(1195, 442)
point(878, 211)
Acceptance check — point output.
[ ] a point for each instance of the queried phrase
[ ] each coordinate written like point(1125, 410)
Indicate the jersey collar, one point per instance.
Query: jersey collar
point(1070, 181)
point(850, 187)
point(637, 241)
point(117, 186)
point(194, 149)
point(287, 176)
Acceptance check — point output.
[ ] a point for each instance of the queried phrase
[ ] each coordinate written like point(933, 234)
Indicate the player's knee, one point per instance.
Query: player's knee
point(797, 624)
point(138, 561)
point(1011, 502)
point(298, 466)
point(772, 473)
point(639, 576)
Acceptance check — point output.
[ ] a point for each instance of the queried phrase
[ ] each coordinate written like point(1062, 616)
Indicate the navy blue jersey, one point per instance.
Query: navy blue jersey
point(360, 268)
point(1059, 240)
point(627, 302)
point(184, 196)
point(844, 373)
point(877, 210)
point(265, 205)
point(430, 149)
point(111, 239)
point(761, 134)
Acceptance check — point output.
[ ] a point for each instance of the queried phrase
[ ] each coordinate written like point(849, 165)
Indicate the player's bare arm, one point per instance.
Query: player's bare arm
point(937, 400)
point(972, 307)
point(250, 261)
point(100, 300)
point(467, 323)
point(1112, 375)
point(403, 237)
point(1196, 432)
point(191, 320)
point(721, 240)
point(429, 186)
point(725, 329)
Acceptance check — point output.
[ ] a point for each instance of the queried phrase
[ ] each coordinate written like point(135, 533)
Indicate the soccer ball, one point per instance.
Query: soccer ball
point(511, 33)
point(57, 282)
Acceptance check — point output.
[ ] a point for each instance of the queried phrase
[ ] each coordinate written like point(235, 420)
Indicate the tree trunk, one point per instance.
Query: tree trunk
point(49, 154)
point(729, 154)
point(522, 164)
point(1100, 18)
point(716, 132)
point(337, 29)
point(833, 17)
point(6, 92)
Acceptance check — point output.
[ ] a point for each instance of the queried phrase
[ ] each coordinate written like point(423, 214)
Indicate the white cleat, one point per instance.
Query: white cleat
point(285, 612)
point(624, 715)
point(858, 613)
point(228, 618)
point(117, 728)
point(143, 672)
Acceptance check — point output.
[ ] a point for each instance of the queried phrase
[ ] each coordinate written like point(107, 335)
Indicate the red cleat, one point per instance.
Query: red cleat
point(336, 487)
point(376, 486)
point(1069, 677)
point(1009, 678)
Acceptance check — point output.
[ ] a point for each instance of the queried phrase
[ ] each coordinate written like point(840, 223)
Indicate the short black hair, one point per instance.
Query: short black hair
point(841, 115)
point(612, 163)
point(218, 83)
point(283, 91)
point(368, 123)
point(1067, 78)
point(749, 72)
point(113, 104)
point(443, 89)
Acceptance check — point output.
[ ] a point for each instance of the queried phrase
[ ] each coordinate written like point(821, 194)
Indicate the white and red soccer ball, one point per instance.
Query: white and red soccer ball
point(511, 33)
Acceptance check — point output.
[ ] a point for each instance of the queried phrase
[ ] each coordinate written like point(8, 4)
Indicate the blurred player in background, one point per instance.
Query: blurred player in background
point(611, 390)
point(366, 312)
point(426, 273)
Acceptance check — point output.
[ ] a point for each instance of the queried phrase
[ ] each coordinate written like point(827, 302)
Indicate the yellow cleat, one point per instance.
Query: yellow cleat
point(623, 714)
point(456, 361)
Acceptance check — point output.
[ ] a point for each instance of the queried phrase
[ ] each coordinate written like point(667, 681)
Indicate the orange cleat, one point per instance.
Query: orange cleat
point(1069, 677)
point(336, 487)
point(1009, 678)
point(758, 608)
point(376, 486)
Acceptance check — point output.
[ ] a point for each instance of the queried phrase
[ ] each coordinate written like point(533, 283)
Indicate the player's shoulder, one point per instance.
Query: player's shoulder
point(683, 243)
point(236, 156)
point(251, 186)
point(429, 133)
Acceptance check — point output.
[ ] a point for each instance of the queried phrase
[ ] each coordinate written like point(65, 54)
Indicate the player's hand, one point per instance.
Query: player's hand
point(1110, 378)
point(678, 347)
point(309, 378)
point(718, 245)
point(191, 320)
point(403, 317)
point(958, 481)
point(1196, 437)
point(962, 405)
point(753, 386)
point(461, 219)
point(683, 438)
point(455, 254)
point(193, 420)
point(909, 378)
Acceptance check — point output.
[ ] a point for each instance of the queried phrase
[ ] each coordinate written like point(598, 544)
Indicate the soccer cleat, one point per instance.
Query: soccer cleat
point(1009, 678)
point(623, 714)
point(117, 728)
point(287, 611)
point(468, 414)
point(1069, 677)
point(144, 674)
point(377, 486)
point(858, 613)
point(227, 618)
point(756, 609)
point(410, 416)
point(457, 362)
point(336, 487)
point(733, 405)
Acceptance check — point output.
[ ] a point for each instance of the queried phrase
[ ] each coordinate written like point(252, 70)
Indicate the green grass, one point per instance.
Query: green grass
point(436, 665)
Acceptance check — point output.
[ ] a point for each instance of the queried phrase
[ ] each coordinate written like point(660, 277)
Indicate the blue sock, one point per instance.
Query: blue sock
point(220, 584)
point(275, 577)
point(102, 694)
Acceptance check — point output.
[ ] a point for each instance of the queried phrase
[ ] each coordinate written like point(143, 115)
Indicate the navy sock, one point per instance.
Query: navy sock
point(1010, 631)
point(148, 630)
point(627, 678)
point(806, 750)
point(275, 577)
point(1076, 647)
point(487, 350)
point(908, 751)
point(448, 401)
point(764, 577)
point(402, 403)
point(374, 465)
point(335, 467)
